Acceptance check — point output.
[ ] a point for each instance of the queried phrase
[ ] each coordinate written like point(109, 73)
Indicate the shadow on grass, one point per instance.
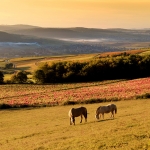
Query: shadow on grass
point(103, 120)
point(91, 122)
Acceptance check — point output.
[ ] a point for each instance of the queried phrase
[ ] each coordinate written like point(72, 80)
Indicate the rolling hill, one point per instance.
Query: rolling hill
point(26, 40)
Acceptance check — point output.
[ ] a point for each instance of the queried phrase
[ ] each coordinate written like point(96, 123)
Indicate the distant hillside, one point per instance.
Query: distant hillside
point(20, 40)
point(9, 28)
point(7, 37)
point(81, 33)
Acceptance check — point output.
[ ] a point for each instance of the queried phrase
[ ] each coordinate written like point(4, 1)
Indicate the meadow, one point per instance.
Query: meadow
point(30, 95)
point(48, 128)
point(35, 116)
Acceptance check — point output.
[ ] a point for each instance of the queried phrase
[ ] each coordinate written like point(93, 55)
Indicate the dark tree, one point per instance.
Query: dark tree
point(39, 76)
point(9, 65)
point(19, 77)
point(1, 77)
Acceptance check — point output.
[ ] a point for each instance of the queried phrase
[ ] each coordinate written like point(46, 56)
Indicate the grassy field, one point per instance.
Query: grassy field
point(32, 63)
point(48, 128)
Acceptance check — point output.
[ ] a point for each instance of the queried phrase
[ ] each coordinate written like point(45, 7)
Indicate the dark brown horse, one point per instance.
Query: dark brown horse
point(76, 112)
point(106, 109)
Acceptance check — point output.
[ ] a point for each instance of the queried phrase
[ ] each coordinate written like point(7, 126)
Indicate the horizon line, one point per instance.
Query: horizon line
point(36, 26)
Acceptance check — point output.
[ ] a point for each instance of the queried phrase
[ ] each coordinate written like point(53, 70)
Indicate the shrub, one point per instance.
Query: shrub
point(19, 77)
point(9, 65)
point(39, 76)
point(143, 96)
point(68, 102)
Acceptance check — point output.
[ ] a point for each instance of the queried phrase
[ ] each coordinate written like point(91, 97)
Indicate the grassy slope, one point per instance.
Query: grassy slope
point(48, 128)
point(31, 63)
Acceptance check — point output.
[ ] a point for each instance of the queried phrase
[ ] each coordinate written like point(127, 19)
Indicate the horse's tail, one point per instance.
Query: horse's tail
point(85, 113)
point(115, 110)
point(70, 112)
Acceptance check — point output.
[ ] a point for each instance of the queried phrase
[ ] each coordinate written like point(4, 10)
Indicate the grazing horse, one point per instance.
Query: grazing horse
point(76, 112)
point(106, 109)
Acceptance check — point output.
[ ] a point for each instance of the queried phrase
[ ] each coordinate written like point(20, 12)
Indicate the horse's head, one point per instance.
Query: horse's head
point(97, 116)
point(97, 113)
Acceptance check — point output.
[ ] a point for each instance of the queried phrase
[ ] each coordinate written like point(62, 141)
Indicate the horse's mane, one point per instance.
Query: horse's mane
point(98, 109)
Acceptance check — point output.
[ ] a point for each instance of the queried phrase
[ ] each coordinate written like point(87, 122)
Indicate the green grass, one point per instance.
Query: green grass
point(2, 64)
point(7, 77)
point(146, 52)
point(31, 63)
point(26, 59)
point(49, 129)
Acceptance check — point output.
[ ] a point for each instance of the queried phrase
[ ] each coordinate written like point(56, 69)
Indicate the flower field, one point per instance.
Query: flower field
point(17, 95)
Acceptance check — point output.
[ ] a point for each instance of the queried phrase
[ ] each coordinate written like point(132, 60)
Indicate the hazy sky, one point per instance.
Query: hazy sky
point(77, 13)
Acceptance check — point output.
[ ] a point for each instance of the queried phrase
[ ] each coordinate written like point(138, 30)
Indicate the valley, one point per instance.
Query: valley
point(23, 40)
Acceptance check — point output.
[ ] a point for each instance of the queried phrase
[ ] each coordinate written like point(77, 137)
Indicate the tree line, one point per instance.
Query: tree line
point(120, 67)
point(98, 69)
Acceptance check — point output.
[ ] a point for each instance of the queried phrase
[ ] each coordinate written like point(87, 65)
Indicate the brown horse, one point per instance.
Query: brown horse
point(106, 109)
point(76, 112)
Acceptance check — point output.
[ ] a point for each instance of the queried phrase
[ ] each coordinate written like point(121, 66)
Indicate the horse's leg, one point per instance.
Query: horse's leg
point(99, 116)
point(73, 120)
point(85, 116)
point(112, 114)
point(85, 119)
point(103, 115)
point(70, 121)
point(81, 119)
